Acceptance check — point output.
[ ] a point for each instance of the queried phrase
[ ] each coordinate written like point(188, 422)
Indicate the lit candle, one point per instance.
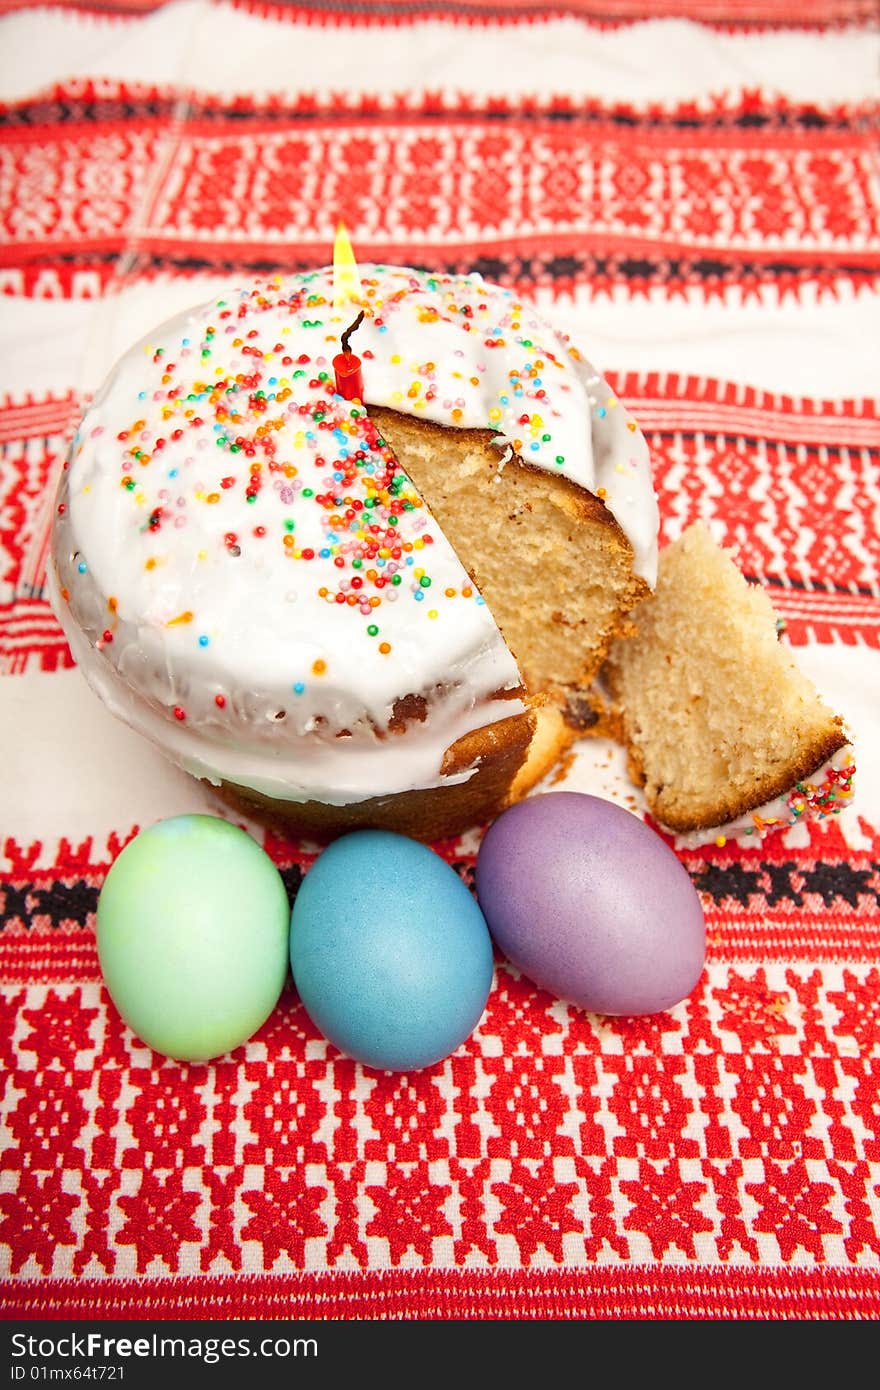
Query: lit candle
point(346, 290)
point(347, 366)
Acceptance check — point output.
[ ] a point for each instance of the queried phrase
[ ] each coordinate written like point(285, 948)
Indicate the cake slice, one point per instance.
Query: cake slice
point(547, 555)
point(717, 719)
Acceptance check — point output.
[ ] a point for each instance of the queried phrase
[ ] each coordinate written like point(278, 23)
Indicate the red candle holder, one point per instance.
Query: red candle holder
point(347, 366)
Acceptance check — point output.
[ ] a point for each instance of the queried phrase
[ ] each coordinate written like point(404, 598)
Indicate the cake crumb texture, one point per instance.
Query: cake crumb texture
point(548, 557)
point(715, 714)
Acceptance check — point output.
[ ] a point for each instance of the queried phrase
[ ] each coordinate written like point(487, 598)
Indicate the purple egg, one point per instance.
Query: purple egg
point(591, 904)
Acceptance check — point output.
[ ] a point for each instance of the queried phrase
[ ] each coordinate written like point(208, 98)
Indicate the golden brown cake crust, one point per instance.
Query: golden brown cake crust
point(511, 757)
point(498, 750)
point(661, 801)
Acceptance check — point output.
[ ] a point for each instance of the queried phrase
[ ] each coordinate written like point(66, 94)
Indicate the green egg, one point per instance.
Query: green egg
point(193, 931)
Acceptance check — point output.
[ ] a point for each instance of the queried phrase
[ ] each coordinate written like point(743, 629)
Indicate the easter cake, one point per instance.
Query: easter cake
point(724, 732)
point(344, 613)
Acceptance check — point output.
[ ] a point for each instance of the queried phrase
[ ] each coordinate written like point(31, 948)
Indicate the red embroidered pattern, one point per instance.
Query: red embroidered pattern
point(573, 1150)
point(767, 205)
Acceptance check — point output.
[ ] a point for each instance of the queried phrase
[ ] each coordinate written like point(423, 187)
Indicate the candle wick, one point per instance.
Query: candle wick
point(346, 347)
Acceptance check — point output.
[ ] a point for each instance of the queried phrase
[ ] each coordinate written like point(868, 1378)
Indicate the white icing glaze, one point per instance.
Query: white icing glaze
point(826, 792)
point(342, 771)
point(243, 574)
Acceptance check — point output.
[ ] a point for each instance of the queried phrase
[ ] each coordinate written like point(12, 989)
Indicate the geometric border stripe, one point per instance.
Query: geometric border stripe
point(606, 1291)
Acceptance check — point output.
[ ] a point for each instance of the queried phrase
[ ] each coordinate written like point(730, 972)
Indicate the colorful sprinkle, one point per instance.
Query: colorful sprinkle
point(243, 411)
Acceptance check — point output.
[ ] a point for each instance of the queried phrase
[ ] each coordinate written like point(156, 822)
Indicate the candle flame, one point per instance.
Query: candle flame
point(346, 281)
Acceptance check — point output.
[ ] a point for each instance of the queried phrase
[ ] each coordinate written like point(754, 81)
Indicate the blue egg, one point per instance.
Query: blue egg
point(390, 953)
